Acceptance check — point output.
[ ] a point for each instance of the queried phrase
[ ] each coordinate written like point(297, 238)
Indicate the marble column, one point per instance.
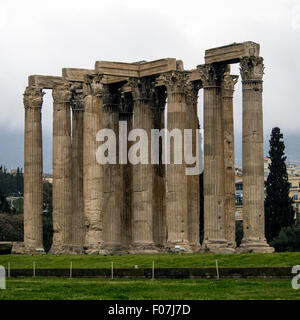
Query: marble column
point(252, 70)
point(33, 170)
point(176, 203)
point(112, 182)
point(229, 203)
point(126, 115)
point(78, 230)
point(193, 186)
point(62, 170)
point(214, 175)
point(92, 170)
point(143, 174)
point(159, 171)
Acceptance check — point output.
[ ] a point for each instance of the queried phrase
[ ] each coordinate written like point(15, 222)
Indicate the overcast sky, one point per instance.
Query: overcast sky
point(41, 37)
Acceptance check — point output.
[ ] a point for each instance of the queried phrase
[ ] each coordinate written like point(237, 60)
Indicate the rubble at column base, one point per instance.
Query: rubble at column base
point(144, 248)
point(61, 249)
point(217, 247)
point(255, 247)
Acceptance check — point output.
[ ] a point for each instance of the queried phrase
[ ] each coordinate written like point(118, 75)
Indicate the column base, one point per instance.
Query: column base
point(232, 245)
point(218, 247)
point(144, 248)
point(61, 249)
point(21, 248)
point(254, 246)
point(112, 248)
point(77, 249)
point(196, 247)
point(91, 249)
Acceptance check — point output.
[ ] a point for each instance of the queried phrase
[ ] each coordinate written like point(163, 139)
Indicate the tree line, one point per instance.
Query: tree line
point(11, 213)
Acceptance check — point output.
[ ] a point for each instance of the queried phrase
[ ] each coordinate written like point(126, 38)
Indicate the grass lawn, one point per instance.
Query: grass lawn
point(101, 289)
point(288, 259)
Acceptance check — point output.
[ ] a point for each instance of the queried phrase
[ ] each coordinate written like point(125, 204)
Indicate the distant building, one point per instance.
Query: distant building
point(293, 170)
point(295, 192)
point(238, 170)
point(238, 190)
point(294, 180)
point(238, 213)
point(48, 177)
point(267, 162)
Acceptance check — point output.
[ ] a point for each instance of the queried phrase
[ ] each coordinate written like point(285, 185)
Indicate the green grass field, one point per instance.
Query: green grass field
point(101, 289)
point(161, 260)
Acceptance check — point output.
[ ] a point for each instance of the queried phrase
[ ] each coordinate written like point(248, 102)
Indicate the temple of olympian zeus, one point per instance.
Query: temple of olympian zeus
point(146, 208)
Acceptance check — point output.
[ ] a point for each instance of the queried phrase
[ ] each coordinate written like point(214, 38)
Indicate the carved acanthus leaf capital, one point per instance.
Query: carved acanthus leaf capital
point(175, 81)
point(33, 97)
point(229, 82)
point(211, 75)
point(252, 68)
point(77, 102)
point(93, 85)
point(141, 88)
point(192, 90)
point(126, 103)
point(61, 93)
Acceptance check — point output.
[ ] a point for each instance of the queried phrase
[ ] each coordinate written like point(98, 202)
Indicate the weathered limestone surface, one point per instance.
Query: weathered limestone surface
point(229, 203)
point(176, 203)
point(214, 180)
point(252, 70)
point(126, 115)
point(62, 170)
point(112, 179)
point(78, 229)
point(231, 53)
point(93, 173)
point(136, 70)
point(33, 170)
point(44, 82)
point(143, 201)
point(76, 74)
point(159, 175)
point(193, 191)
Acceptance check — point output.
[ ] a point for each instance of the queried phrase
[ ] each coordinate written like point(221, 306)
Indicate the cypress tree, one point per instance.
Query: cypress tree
point(279, 212)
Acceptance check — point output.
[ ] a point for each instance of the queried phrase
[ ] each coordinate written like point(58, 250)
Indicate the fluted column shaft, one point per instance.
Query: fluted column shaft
point(193, 186)
point(62, 168)
point(214, 215)
point(176, 203)
point(159, 181)
point(112, 182)
point(78, 232)
point(229, 205)
point(33, 170)
point(252, 70)
point(93, 173)
point(142, 174)
point(126, 115)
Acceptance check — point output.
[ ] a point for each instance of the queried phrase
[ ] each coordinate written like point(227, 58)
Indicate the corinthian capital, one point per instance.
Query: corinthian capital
point(141, 88)
point(252, 68)
point(192, 90)
point(228, 83)
point(93, 85)
point(211, 74)
point(33, 97)
point(62, 93)
point(77, 103)
point(175, 81)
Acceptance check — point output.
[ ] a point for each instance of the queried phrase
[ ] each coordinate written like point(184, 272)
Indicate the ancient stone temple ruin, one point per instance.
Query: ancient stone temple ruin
point(146, 208)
